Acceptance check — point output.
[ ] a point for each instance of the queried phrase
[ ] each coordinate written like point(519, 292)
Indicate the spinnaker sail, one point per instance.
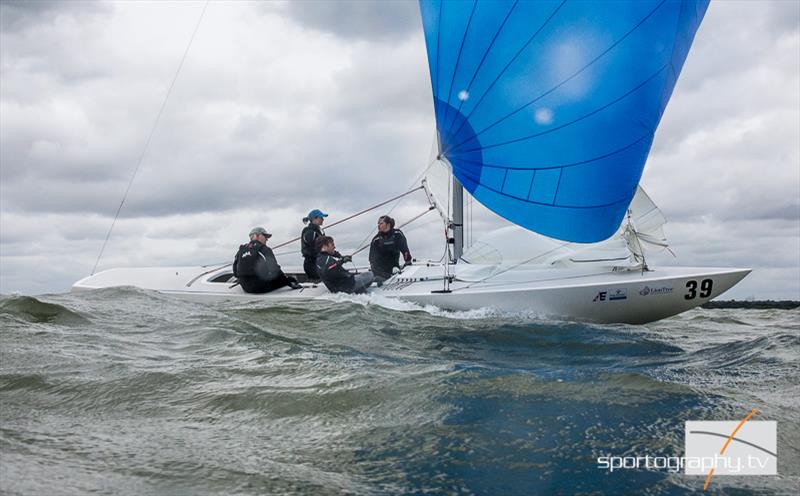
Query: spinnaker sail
point(546, 110)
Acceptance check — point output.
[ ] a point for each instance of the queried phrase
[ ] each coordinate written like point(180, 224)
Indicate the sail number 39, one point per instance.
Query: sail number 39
point(705, 289)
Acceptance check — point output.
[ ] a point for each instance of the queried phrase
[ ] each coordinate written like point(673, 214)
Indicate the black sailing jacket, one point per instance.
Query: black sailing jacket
point(266, 267)
point(335, 277)
point(385, 250)
point(307, 238)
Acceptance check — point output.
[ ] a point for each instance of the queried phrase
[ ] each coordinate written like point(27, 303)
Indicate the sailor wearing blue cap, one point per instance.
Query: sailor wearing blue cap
point(308, 239)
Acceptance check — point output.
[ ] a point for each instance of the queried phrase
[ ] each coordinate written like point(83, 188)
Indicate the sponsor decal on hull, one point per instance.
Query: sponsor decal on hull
point(618, 294)
point(662, 290)
point(611, 295)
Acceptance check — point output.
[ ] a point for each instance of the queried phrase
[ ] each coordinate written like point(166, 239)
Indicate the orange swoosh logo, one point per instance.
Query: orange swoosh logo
point(730, 438)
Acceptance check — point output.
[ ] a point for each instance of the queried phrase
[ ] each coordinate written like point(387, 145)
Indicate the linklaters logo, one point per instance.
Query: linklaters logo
point(712, 448)
point(647, 290)
point(736, 448)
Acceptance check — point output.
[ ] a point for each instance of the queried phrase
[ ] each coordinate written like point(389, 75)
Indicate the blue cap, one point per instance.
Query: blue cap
point(314, 214)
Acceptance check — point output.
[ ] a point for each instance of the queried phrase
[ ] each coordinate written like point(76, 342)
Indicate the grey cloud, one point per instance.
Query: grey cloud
point(735, 69)
point(339, 160)
point(61, 162)
point(743, 243)
point(40, 196)
point(734, 38)
point(329, 144)
point(738, 170)
point(760, 207)
point(259, 158)
point(252, 127)
point(781, 17)
point(385, 85)
point(727, 147)
point(16, 15)
point(387, 20)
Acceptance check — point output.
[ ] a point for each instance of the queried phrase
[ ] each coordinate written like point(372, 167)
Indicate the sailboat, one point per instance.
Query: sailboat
point(545, 115)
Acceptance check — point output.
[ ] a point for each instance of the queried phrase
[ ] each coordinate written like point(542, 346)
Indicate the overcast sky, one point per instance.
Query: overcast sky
point(284, 107)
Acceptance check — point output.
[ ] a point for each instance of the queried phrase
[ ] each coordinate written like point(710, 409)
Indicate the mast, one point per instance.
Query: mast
point(456, 214)
point(457, 222)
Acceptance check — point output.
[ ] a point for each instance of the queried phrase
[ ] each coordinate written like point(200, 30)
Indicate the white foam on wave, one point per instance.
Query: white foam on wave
point(407, 306)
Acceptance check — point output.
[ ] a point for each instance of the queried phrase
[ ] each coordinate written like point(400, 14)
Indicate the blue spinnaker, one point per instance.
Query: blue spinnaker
point(546, 110)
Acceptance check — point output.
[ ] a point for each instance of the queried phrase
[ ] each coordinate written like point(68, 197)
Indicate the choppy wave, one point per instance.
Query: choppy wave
point(124, 391)
point(30, 309)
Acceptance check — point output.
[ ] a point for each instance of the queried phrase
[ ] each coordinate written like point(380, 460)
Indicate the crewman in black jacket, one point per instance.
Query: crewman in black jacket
point(335, 277)
point(308, 239)
point(257, 269)
point(386, 248)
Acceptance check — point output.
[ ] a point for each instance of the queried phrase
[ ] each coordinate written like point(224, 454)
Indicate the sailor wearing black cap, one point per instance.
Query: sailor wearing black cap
point(308, 240)
point(257, 269)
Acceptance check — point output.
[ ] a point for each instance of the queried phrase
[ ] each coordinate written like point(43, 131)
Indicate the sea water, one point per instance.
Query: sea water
point(124, 391)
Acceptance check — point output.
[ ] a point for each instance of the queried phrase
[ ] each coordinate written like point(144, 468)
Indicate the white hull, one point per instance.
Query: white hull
point(591, 294)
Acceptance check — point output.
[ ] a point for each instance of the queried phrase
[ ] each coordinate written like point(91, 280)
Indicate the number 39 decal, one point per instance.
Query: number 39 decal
point(705, 289)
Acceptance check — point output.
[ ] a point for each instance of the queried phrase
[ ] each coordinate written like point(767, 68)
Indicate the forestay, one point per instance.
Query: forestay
point(547, 110)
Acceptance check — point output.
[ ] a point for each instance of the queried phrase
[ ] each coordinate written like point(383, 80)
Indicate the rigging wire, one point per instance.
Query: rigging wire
point(150, 137)
point(399, 199)
point(221, 265)
point(346, 219)
point(431, 207)
point(401, 225)
point(418, 226)
point(424, 224)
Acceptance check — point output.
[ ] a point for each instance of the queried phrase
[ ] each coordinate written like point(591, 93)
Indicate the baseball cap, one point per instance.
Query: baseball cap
point(260, 230)
point(314, 214)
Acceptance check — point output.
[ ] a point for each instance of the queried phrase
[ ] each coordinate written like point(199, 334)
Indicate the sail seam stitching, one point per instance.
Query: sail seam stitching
point(614, 45)
point(458, 61)
point(581, 207)
point(505, 176)
point(483, 59)
point(558, 185)
point(546, 22)
point(564, 166)
point(438, 44)
point(585, 116)
point(530, 188)
point(672, 56)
